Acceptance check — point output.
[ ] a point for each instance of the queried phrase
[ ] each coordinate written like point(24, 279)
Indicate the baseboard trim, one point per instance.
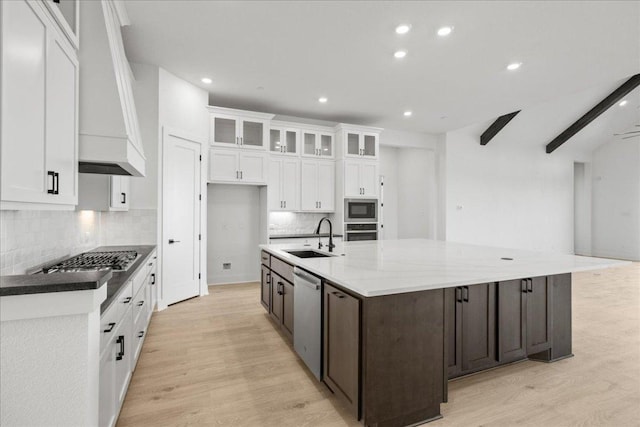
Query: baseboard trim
point(233, 283)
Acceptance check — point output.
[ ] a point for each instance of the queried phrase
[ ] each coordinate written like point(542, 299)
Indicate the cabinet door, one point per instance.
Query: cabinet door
point(353, 143)
point(107, 392)
point(453, 330)
point(538, 318)
point(325, 143)
point(287, 309)
point(224, 130)
point(291, 141)
point(369, 145)
point(274, 186)
point(352, 187)
point(119, 200)
point(265, 294)
point(512, 330)
point(369, 179)
point(309, 144)
point(276, 140)
point(61, 119)
point(124, 356)
point(478, 327)
point(291, 184)
point(277, 283)
point(24, 38)
point(253, 134)
point(309, 185)
point(341, 345)
point(326, 186)
point(253, 168)
point(223, 165)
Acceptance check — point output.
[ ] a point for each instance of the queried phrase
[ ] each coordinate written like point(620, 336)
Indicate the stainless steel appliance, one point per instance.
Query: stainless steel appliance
point(356, 232)
point(360, 210)
point(307, 319)
point(92, 261)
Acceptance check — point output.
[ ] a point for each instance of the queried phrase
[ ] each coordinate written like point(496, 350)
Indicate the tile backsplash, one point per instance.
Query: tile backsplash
point(30, 238)
point(283, 223)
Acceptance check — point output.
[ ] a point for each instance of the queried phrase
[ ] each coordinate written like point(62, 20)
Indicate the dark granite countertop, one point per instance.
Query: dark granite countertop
point(301, 236)
point(62, 282)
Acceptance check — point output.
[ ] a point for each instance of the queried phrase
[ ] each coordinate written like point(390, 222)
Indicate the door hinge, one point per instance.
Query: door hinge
point(200, 157)
point(199, 236)
point(199, 276)
point(199, 196)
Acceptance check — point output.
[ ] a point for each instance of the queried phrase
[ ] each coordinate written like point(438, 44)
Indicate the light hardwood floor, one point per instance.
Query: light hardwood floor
point(219, 360)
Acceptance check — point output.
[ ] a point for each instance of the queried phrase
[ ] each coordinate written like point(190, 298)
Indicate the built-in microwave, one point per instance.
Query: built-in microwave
point(360, 210)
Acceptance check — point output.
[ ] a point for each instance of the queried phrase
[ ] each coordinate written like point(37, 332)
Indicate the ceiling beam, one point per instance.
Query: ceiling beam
point(496, 127)
point(593, 114)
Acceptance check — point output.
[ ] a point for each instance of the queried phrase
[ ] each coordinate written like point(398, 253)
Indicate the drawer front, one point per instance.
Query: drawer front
point(139, 280)
point(151, 262)
point(140, 303)
point(115, 314)
point(265, 258)
point(282, 268)
point(138, 336)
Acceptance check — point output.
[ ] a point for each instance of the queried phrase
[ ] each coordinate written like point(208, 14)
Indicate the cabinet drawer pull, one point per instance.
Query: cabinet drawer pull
point(127, 300)
point(52, 190)
point(150, 264)
point(459, 294)
point(280, 288)
point(110, 328)
point(465, 296)
point(338, 294)
point(524, 286)
point(120, 353)
point(530, 285)
point(153, 276)
point(140, 334)
point(141, 303)
point(124, 198)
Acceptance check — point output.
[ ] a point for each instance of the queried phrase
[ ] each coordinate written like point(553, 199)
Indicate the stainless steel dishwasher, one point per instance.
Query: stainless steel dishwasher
point(307, 319)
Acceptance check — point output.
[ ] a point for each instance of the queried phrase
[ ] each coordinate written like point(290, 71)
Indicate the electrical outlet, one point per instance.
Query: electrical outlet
point(226, 266)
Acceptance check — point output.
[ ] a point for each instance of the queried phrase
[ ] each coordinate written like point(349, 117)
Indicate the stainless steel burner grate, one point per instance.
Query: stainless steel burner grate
point(116, 260)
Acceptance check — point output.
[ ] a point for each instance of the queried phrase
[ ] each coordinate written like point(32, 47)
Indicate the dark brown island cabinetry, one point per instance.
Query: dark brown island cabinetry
point(524, 321)
point(277, 290)
point(341, 353)
point(470, 322)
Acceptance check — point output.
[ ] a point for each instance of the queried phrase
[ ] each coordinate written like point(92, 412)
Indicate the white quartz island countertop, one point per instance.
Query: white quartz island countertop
point(386, 267)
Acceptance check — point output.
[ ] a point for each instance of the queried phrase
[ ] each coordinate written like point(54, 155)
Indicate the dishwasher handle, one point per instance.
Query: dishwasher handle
point(307, 279)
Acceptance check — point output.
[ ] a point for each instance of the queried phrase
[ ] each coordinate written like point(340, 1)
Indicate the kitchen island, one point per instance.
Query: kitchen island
point(402, 317)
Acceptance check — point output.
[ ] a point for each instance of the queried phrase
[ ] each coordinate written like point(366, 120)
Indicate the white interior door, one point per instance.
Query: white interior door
point(180, 219)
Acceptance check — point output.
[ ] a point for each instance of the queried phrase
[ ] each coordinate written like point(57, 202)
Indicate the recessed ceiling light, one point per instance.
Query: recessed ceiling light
point(623, 103)
point(444, 31)
point(206, 80)
point(408, 113)
point(403, 29)
point(514, 66)
point(322, 99)
point(400, 54)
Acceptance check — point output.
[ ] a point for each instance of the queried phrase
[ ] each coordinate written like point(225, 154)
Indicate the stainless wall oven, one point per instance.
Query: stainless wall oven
point(360, 210)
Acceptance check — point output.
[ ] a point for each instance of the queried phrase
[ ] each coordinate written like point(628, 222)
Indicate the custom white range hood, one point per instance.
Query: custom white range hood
point(110, 141)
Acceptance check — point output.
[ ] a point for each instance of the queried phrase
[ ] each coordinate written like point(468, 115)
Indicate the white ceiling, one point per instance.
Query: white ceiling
point(298, 51)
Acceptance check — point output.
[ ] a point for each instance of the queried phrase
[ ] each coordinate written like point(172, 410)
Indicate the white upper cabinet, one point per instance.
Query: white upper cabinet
point(358, 142)
point(239, 129)
point(284, 184)
point(284, 141)
point(39, 133)
point(317, 144)
point(360, 179)
point(238, 167)
point(103, 192)
point(317, 179)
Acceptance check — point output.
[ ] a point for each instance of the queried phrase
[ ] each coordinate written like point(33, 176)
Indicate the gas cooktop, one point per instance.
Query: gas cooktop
point(95, 261)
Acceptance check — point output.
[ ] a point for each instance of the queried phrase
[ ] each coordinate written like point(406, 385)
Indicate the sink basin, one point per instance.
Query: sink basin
point(308, 254)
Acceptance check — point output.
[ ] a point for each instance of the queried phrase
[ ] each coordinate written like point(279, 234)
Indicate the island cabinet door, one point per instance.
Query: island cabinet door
point(277, 285)
point(512, 320)
point(453, 330)
point(287, 309)
point(341, 346)
point(538, 318)
point(265, 293)
point(478, 327)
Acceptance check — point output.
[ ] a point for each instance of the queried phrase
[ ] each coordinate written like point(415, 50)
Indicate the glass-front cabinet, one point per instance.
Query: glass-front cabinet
point(317, 144)
point(237, 128)
point(359, 141)
point(284, 141)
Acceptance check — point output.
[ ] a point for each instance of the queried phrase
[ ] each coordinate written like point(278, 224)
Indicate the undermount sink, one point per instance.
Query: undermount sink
point(307, 254)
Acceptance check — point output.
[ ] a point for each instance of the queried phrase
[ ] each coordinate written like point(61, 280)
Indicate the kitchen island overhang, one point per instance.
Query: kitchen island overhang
point(428, 311)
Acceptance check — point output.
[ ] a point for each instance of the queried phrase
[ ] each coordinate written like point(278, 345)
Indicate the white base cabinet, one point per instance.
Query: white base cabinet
point(237, 167)
point(39, 133)
point(317, 185)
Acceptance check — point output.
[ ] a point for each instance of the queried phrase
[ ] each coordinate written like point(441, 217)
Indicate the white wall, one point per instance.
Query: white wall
point(508, 194)
point(582, 208)
point(616, 200)
point(183, 105)
point(233, 218)
point(416, 193)
point(389, 169)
